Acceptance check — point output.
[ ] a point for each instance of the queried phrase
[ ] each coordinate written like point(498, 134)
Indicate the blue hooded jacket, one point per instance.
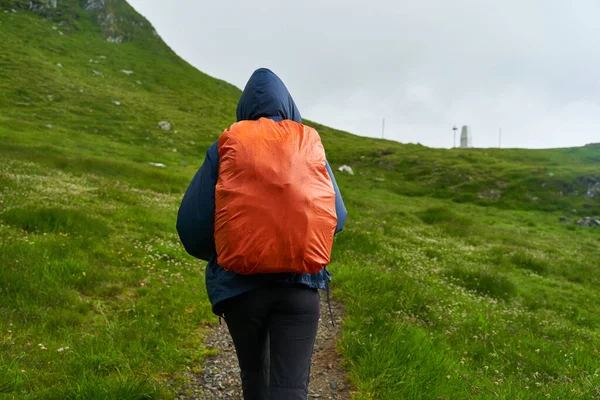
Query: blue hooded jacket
point(265, 96)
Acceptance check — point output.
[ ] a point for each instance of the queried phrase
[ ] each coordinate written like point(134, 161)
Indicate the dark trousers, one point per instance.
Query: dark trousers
point(274, 331)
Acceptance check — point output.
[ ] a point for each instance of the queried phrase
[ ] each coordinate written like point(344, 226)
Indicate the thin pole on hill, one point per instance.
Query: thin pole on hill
point(454, 128)
point(383, 129)
point(500, 139)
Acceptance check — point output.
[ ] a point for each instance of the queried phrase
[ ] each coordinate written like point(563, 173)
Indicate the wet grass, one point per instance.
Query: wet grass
point(451, 291)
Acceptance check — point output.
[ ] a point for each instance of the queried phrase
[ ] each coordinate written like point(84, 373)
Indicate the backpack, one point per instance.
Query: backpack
point(275, 202)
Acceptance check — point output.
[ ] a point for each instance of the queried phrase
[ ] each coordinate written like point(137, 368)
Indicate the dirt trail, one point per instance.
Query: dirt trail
point(220, 377)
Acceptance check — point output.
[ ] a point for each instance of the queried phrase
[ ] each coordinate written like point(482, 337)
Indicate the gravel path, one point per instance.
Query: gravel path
point(220, 376)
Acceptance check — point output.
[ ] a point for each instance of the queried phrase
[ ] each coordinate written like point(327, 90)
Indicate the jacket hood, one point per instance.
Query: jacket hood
point(265, 95)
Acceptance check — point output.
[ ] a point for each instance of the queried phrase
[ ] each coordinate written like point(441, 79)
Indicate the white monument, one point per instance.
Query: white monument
point(466, 139)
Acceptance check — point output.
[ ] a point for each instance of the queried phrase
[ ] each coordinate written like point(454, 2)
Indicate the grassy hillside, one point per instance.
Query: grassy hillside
point(458, 280)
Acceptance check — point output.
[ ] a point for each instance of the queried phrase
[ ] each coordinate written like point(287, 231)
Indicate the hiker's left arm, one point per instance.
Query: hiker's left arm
point(340, 208)
point(196, 217)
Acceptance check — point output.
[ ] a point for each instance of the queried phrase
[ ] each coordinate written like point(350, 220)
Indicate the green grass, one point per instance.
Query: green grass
point(458, 280)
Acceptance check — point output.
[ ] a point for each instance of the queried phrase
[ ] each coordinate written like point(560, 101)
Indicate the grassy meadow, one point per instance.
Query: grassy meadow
point(458, 279)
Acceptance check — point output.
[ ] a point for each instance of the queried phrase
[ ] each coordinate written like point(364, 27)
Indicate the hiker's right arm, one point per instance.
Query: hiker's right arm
point(340, 208)
point(196, 217)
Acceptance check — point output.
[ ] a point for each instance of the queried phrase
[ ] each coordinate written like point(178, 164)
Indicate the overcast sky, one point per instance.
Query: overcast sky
point(530, 67)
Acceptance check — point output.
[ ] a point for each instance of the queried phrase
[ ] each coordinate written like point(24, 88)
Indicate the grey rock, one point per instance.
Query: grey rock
point(164, 125)
point(108, 21)
point(92, 5)
point(593, 190)
point(564, 219)
point(127, 72)
point(346, 168)
point(589, 221)
point(39, 6)
point(116, 40)
point(97, 73)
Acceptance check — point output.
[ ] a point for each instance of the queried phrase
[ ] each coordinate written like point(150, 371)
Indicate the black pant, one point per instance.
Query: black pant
point(274, 331)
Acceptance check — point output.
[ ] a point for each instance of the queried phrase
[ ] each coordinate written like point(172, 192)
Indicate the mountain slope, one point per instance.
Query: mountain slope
point(453, 265)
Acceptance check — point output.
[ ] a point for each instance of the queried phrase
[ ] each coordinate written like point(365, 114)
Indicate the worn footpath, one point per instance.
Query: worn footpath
point(220, 376)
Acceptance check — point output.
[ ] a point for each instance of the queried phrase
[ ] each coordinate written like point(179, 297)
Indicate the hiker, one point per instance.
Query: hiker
point(235, 215)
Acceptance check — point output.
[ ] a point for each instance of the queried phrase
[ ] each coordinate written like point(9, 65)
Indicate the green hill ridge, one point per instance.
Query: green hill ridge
point(458, 279)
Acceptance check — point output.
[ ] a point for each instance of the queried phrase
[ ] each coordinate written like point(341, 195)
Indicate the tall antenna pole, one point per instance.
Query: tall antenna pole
point(500, 139)
point(454, 128)
point(383, 129)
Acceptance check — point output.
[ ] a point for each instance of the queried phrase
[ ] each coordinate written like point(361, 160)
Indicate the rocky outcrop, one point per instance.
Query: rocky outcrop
point(42, 6)
point(52, 8)
point(117, 40)
point(589, 221)
point(93, 5)
point(118, 21)
point(593, 190)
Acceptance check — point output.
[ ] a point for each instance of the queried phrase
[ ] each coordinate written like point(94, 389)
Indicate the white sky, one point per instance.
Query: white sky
point(529, 67)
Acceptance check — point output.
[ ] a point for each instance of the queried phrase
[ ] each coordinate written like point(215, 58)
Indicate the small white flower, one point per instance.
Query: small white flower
point(60, 350)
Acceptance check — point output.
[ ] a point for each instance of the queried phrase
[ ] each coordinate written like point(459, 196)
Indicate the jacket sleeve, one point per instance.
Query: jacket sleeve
point(340, 208)
point(196, 217)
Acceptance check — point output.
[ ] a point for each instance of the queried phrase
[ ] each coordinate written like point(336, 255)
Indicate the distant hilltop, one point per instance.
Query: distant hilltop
point(118, 21)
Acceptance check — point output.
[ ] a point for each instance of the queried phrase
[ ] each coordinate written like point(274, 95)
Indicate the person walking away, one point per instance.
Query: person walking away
point(262, 211)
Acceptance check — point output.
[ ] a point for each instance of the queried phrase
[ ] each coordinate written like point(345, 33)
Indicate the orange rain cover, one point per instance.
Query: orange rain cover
point(275, 203)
